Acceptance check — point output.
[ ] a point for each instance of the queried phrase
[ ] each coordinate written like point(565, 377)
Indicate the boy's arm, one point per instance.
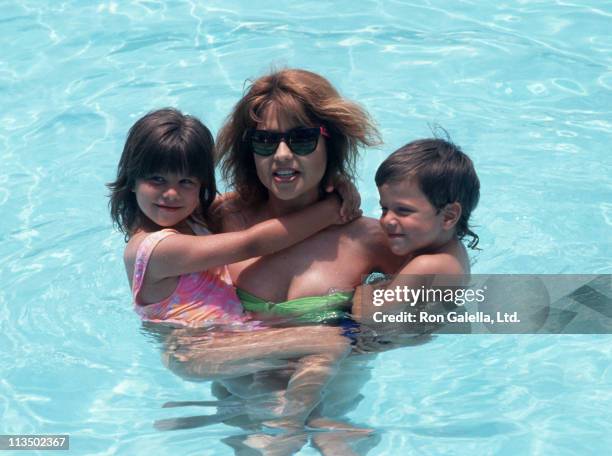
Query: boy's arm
point(183, 254)
point(419, 272)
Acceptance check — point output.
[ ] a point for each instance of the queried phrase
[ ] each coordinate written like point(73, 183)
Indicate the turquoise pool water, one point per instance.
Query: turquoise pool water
point(525, 87)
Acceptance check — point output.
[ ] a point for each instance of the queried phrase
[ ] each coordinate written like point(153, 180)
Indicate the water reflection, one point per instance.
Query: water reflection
point(283, 386)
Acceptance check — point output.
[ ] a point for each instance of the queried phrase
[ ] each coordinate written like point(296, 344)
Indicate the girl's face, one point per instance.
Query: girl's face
point(410, 221)
point(167, 199)
point(288, 176)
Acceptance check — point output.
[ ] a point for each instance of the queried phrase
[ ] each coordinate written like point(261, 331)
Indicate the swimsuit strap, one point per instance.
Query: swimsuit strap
point(198, 227)
point(143, 255)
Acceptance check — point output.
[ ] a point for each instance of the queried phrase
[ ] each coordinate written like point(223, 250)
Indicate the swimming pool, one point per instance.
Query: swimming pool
point(524, 87)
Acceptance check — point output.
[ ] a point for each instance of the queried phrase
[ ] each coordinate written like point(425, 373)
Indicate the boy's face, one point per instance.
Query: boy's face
point(409, 220)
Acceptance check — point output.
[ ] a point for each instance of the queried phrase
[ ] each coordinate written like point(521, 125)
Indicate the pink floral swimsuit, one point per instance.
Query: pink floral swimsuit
point(200, 298)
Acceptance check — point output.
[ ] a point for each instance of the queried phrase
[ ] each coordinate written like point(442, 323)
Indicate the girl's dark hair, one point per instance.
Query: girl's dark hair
point(444, 174)
point(310, 100)
point(163, 141)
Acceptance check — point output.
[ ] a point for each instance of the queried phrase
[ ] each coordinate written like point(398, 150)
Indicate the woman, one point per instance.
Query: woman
point(285, 139)
point(288, 136)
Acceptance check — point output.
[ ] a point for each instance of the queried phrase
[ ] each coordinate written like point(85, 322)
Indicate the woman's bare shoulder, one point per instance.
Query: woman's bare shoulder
point(228, 210)
point(366, 230)
point(368, 235)
point(226, 202)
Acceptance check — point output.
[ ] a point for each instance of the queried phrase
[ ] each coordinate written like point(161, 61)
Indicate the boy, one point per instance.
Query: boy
point(428, 190)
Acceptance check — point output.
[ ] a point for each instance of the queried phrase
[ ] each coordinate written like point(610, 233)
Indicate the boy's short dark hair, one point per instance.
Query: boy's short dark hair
point(444, 174)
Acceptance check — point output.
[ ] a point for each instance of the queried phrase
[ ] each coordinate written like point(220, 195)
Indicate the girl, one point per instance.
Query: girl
point(162, 195)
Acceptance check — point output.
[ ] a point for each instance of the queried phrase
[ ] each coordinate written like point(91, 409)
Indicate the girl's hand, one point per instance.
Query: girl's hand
point(335, 202)
point(351, 200)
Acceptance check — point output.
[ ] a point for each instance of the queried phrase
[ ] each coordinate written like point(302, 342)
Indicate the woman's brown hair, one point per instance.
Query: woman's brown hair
point(310, 100)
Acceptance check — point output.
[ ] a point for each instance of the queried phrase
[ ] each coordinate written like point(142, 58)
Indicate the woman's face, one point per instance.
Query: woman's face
point(288, 176)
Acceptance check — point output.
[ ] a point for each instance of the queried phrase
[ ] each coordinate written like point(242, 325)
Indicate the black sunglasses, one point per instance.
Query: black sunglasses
point(301, 140)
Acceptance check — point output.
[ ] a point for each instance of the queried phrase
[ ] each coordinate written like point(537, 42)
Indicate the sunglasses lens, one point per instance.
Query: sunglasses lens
point(264, 142)
point(303, 141)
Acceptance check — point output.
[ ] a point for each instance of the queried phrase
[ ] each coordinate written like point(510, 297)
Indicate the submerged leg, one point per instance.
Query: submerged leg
point(307, 384)
point(212, 356)
point(344, 443)
point(267, 445)
point(317, 350)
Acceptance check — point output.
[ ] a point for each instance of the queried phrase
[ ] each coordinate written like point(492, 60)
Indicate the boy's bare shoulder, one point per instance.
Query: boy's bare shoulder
point(443, 263)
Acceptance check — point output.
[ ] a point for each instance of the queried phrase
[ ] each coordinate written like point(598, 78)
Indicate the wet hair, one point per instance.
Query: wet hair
point(444, 174)
point(307, 99)
point(163, 141)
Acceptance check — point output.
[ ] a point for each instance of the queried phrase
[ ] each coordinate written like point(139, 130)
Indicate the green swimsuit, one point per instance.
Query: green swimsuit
point(310, 309)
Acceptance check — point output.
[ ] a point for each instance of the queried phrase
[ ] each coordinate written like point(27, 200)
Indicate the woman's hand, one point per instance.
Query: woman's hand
point(351, 200)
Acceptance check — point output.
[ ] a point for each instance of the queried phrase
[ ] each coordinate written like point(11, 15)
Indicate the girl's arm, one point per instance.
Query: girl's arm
point(183, 254)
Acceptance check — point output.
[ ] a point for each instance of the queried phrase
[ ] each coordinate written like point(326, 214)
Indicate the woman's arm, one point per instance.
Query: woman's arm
point(183, 254)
